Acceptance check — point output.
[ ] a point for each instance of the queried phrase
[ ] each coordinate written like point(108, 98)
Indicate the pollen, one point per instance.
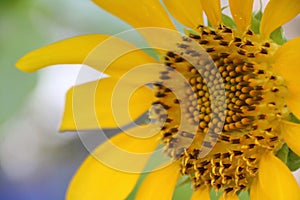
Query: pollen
point(225, 115)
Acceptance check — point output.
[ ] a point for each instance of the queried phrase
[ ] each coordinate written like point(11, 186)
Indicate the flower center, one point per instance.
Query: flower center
point(225, 117)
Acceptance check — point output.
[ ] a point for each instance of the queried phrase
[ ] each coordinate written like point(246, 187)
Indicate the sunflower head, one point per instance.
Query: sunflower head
point(231, 105)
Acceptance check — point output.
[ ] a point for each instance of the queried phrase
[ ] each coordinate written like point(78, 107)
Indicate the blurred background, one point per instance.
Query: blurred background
point(36, 161)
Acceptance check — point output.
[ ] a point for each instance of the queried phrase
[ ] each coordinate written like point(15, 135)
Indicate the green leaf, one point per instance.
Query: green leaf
point(283, 153)
point(184, 189)
point(224, 7)
point(293, 161)
point(294, 119)
point(215, 195)
point(190, 31)
point(228, 21)
point(255, 25)
point(258, 14)
point(256, 18)
point(183, 181)
point(278, 36)
point(244, 195)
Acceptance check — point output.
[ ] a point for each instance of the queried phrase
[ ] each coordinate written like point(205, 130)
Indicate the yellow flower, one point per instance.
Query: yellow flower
point(223, 110)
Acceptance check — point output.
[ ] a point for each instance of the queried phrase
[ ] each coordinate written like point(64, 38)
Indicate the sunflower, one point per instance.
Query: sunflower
point(223, 101)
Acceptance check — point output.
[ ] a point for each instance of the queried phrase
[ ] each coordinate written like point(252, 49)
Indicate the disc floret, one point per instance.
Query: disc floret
point(240, 130)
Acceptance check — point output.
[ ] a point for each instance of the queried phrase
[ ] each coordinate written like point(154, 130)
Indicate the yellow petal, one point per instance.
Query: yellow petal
point(287, 64)
point(69, 51)
point(242, 13)
point(106, 103)
point(276, 179)
point(202, 193)
point(212, 9)
point(159, 184)
point(97, 180)
point(104, 53)
point(291, 135)
point(187, 12)
point(292, 99)
point(277, 13)
point(138, 13)
point(132, 149)
point(256, 192)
